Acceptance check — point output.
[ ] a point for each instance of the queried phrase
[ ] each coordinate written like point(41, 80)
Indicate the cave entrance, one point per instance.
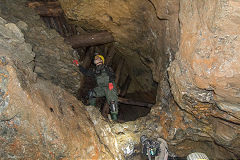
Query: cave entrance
point(133, 102)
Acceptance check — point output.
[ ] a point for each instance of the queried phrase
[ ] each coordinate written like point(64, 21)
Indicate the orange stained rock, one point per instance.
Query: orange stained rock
point(15, 145)
point(96, 154)
point(163, 122)
point(178, 122)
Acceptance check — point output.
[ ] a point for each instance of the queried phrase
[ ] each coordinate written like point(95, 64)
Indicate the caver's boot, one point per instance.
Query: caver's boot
point(114, 116)
point(91, 98)
point(114, 111)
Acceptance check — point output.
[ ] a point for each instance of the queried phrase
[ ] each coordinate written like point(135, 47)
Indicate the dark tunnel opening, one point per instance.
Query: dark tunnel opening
point(132, 105)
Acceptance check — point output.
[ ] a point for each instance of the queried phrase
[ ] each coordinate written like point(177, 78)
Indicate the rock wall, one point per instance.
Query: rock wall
point(205, 74)
point(166, 11)
point(52, 58)
point(39, 120)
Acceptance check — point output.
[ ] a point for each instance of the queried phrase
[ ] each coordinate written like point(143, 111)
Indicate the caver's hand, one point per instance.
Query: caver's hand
point(75, 62)
point(110, 86)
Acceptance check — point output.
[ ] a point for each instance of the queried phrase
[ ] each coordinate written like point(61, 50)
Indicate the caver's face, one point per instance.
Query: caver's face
point(97, 61)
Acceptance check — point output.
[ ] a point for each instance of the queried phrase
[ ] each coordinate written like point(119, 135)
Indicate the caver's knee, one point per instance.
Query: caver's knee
point(91, 94)
point(112, 96)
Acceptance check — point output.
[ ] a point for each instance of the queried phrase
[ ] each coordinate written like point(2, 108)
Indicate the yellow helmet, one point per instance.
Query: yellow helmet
point(100, 56)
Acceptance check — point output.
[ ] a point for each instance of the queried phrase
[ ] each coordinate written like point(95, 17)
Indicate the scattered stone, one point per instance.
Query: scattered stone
point(22, 25)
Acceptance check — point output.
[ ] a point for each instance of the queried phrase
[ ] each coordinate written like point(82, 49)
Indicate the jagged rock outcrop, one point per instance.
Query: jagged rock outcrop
point(205, 74)
point(39, 120)
point(53, 58)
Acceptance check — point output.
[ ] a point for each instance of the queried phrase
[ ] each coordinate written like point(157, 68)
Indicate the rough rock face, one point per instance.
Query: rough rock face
point(52, 58)
point(168, 12)
point(39, 120)
point(205, 74)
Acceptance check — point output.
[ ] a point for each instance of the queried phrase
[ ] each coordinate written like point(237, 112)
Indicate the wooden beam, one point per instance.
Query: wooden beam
point(63, 22)
point(74, 29)
point(89, 39)
point(48, 9)
point(125, 86)
point(135, 103)
point(110, 54)
point(46, 21)
point(59, 24)
point(106, 47)
point(105, 110)
point(119, 69)
point(44, 4)
point(88, 58)
point(53, 23)
point(49, 12)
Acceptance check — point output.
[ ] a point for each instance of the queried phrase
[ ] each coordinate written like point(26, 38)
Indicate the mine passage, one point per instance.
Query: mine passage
point(133, 80)
point(162, 71)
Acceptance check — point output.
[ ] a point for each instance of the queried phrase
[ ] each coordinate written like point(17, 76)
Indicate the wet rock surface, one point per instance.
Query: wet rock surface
point(204, 75)
point(51, 58)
